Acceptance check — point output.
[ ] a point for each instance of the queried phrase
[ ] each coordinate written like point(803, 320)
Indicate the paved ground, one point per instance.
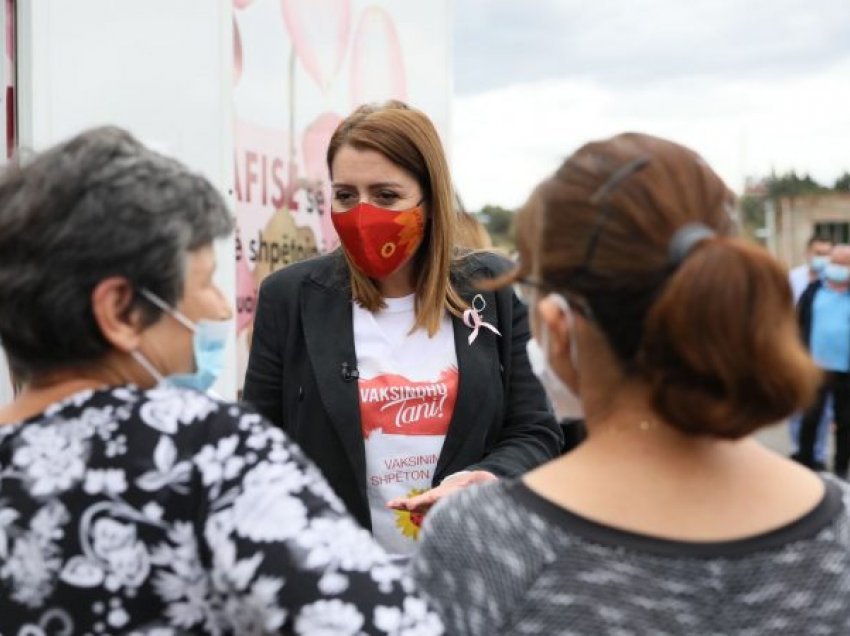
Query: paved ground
point(777, 438)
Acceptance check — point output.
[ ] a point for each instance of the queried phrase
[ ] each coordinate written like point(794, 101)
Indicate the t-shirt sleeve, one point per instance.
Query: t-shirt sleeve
point(284, 553)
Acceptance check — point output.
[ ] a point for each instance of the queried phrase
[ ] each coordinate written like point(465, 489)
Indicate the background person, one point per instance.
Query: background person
point(383, 360)
point(817, 258)
point(470, 233)
point(127, 507)
point(668, 518)
point(800, 277)
point(824, 316)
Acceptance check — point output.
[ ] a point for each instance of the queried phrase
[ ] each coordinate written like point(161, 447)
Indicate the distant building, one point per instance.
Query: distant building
point(797, 218)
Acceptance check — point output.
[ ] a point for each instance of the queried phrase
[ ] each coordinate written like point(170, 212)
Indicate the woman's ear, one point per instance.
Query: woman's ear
point(558, 323)
point(110, 302)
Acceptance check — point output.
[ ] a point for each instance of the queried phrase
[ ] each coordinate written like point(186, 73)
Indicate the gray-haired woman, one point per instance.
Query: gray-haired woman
point(128, 502)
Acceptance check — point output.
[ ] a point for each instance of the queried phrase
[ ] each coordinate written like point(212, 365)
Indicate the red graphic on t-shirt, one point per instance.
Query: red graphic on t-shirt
point(398, 406)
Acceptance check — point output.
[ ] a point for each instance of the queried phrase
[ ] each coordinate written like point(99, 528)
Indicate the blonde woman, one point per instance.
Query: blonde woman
point(399, 378)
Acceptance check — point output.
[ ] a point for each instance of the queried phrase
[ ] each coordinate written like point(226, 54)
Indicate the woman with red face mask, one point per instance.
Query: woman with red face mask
point(401, 379)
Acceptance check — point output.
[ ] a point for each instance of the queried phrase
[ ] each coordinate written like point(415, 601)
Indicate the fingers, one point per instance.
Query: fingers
point(419, 503)
point(397, 504)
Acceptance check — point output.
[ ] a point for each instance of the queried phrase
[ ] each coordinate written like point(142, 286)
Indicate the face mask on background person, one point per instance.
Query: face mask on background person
point(837, 273)
point(377, 240)
point(818, 263)
point(208, 342)
point(564, 401)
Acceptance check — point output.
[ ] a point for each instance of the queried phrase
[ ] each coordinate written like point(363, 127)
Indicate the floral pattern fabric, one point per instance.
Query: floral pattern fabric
point(165, 512)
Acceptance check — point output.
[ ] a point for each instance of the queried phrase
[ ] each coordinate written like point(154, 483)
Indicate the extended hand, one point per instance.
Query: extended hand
point(421, 503)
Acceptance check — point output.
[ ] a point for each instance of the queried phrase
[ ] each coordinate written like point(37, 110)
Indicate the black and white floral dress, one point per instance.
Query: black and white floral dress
point(165, 512)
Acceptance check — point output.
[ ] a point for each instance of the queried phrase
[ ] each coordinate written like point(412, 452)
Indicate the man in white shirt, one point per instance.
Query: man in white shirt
point(818, 249)
point(817, 257)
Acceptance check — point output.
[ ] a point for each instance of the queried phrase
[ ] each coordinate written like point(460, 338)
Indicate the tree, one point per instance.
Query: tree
point(791, 185)
point(752, 215)
point(842, 183)
point(499, 222)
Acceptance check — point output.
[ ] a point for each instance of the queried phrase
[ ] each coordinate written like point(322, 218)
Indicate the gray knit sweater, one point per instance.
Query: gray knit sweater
point(500, 559)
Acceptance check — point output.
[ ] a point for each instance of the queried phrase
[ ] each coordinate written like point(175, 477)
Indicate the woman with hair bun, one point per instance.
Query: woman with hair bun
point(679, 341)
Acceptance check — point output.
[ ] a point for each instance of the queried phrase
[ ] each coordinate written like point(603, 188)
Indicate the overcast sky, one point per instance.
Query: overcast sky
point(752, 85)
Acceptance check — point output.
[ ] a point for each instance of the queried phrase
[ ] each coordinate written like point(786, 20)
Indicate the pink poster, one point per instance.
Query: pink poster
point(299, 67)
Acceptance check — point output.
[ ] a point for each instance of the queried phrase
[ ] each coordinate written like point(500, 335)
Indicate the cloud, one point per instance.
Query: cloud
point(615, 42)
point(506, 140)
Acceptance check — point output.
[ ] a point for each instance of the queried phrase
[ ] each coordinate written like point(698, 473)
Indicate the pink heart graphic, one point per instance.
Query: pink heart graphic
point(314, 144)
point(319, 31)
point(314, 147)
point(237, 53)
point(377, 63)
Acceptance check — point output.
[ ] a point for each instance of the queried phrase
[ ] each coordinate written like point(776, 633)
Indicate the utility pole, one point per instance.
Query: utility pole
point(770, 224)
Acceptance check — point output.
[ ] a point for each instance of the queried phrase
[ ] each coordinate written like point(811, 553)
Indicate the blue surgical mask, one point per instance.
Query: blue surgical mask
point(209, 341)
point(837, 273)
point(818, 263)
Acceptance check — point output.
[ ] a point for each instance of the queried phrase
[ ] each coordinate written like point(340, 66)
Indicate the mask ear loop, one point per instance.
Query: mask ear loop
point(161, 304)
point(146, 365)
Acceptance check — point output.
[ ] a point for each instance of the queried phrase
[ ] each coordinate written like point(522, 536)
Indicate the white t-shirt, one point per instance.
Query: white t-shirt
point(799, 277)
point(408, 388)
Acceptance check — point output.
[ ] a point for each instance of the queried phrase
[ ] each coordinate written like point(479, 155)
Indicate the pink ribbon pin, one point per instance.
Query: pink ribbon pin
point(472, 318)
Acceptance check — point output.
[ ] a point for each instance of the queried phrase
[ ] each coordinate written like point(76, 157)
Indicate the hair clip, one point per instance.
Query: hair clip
point(685, 239)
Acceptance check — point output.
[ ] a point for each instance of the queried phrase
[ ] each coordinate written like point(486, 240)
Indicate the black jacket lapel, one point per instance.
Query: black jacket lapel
point(326, 316)
point(478, 382)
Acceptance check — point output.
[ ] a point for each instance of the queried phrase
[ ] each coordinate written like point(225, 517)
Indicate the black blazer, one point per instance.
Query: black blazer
point(303, 337)
point(804, 311)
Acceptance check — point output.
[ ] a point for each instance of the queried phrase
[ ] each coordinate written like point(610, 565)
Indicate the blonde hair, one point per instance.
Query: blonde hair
point(471, 233)
point(407, 137)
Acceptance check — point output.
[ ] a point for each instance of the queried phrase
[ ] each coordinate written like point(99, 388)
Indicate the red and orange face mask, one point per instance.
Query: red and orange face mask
point(377, 240)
